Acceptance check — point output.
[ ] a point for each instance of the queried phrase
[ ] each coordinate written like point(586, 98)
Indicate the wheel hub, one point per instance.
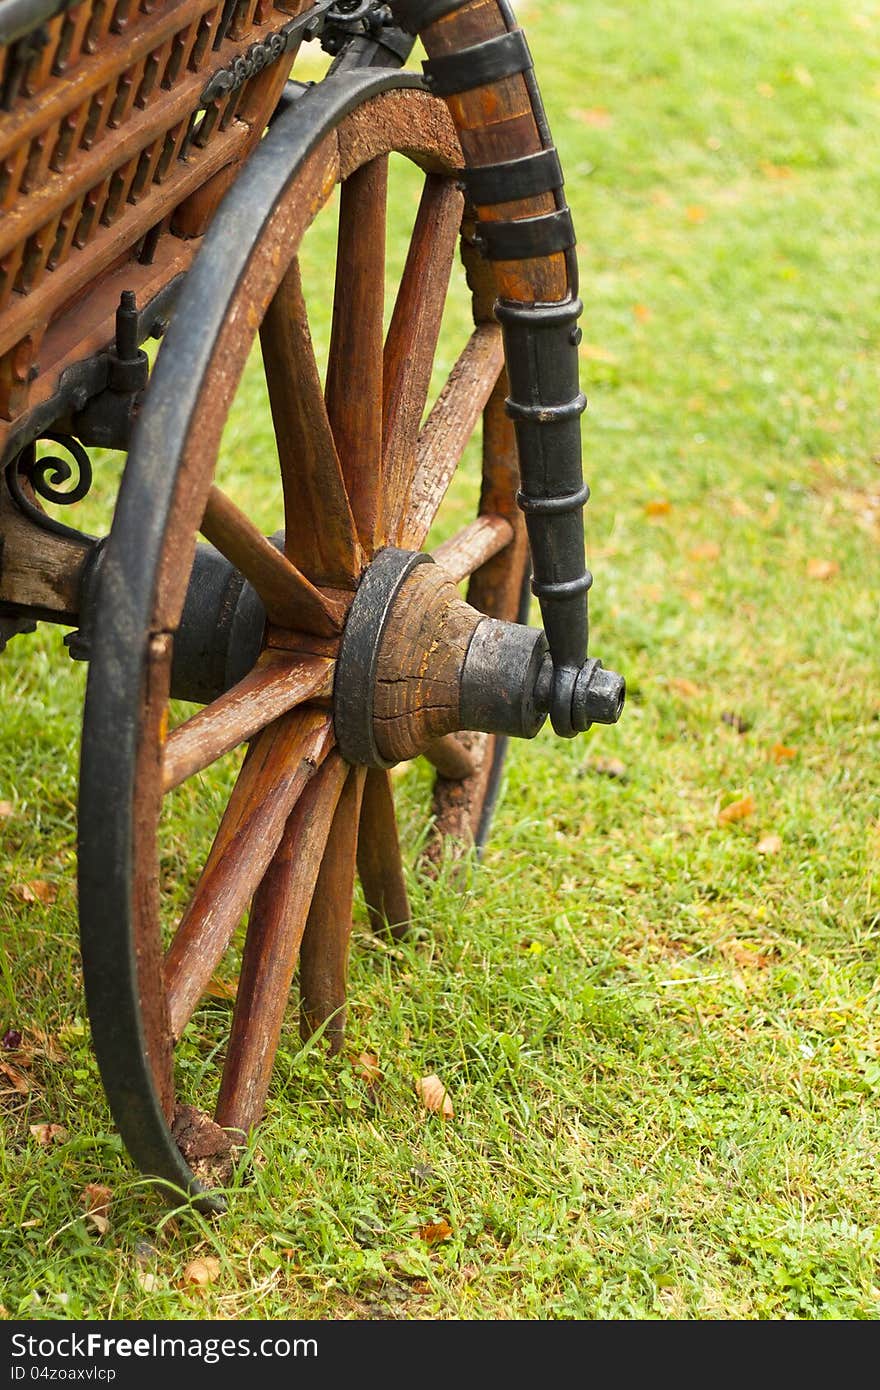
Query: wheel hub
point(416, 663)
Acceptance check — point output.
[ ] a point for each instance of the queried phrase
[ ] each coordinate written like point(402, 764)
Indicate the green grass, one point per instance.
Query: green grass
point(661, 1039)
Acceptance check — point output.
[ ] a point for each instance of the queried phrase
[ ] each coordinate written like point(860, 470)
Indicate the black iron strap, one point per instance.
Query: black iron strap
point(515, 178)
point(416, 15)
point(478, 65)
point(527, 239)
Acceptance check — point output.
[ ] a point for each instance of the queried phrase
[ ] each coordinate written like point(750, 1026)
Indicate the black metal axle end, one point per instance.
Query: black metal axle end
point(599, 696)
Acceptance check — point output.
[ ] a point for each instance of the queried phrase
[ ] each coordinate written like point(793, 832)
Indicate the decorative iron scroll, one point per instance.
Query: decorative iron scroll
point(46, 477)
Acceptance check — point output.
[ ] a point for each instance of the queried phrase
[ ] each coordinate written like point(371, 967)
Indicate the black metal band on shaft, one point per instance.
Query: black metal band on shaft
point(478, 66)
point(528, 238)
point(527, 177)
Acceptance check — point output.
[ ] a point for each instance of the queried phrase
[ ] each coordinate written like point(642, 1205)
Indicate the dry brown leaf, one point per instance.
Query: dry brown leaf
point(435, 1231)
point(741, 953)
point(48, 1045)
point(366, 1066)
point(435, 1097)
point(695, 213)
point(202, 1271)
point(782, 753)
point(96, 1198)
point(822, 569)
point(737, 810)
point(222, 989)
point(36, 891)
point(48, 1134)
point(769, 844)
point(706, 550)
point(17, 1079)
point(97, 1222)
point(642, 312)
point(776, 171)
point(6, 809)
point(658, 506)
point(682, 686)
point(608, 767)
point(597, 116)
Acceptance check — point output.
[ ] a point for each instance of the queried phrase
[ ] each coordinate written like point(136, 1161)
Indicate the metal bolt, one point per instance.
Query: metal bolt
point(598, 696)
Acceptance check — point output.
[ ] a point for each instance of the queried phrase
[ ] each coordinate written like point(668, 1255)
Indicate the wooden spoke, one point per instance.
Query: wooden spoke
point(290, 599)
point(275, 930)
point(449, 427)
point(473, 546)
point(323, 966)
point(451, 759)
point(379, 864)
point(319, 529)
point(279, 764)
point(412, 339)
point(277, 683)
point(354, 371)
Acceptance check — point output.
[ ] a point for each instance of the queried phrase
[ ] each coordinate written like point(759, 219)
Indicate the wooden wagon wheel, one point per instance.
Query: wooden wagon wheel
point(362, 477)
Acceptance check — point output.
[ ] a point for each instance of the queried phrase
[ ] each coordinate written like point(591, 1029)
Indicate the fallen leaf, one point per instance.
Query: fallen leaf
point(706, 550)
point(770, 844)
point(737, 810)
point(775, 171)
point(608, 767)
point(96, 1198)
point(435, 1231)
point(658, 506)
point(48, 1134)
point(202, 1271)
point(48, 1046)
point(435, 1097)
point(735, 721)
point(822, 569)
point(37, 891)
point(17, 1078)
point(597, 116)
point(148, 1282)
point(366, 1066)
point(782, 753)
point(803, 75)
point(682, 686)
point(222, 989)
point(743, 954)
point(642, 312)
point(695, 213)
point(6, 809)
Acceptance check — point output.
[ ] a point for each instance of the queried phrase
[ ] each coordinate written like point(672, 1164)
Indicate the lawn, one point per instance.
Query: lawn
point(655, 1000)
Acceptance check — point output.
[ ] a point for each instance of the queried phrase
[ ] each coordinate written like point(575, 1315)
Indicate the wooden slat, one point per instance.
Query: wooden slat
point(448, 428)
point(379, 863)
point(275, 930)
point(412, 339)
point(279, 764)
point(290, 599)
point(474, 545)
point(276, 685)
point(320, 531)
point(323, 969)
point(354, 371)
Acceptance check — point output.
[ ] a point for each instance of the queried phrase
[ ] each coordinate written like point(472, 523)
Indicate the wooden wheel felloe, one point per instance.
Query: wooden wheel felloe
point(362, 476)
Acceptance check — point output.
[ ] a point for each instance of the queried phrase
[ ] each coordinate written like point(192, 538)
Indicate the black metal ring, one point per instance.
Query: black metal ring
point(479, 65)
point(546, 414)
point(355, 681)
point(528, 177)
point(553, 506)
point(564, 589)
